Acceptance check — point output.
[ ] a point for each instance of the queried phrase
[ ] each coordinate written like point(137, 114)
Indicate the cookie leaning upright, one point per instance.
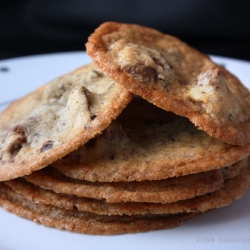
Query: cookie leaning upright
point(56, 119)
point(172, 75)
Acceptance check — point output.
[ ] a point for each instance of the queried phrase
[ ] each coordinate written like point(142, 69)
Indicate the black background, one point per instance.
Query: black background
point(28, 27)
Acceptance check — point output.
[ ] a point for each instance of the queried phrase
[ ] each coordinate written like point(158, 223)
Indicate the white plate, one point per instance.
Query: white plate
point(227, 227)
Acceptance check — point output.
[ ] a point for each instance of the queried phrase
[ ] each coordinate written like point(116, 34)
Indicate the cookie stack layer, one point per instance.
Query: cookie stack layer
point(149, 135)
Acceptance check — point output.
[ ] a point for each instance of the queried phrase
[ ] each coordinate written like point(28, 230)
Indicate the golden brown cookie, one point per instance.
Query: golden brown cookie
point(231, 190)
point(162, 191)
point(148, 143)
point(56, 119)
point(172, 75)
point(82, 222)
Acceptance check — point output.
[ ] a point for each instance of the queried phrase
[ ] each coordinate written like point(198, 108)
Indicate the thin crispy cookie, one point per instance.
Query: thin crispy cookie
point(175, 77)
point(87, 223)
point(231, 190)
point(148, 143)
point(163, 191)
point(56, 119)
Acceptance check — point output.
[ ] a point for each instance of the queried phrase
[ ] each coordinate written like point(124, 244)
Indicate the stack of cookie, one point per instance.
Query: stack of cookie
point(149, 135)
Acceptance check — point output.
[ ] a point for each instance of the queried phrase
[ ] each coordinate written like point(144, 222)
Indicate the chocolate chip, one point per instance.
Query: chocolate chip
point(47, 145)
point(16, 147)
point(19, 129)
point(163, 65)
point(147, 73)
point(19, 141)
point(92, 117)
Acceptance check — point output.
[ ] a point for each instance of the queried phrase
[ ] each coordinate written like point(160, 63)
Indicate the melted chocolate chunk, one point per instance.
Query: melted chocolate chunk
point(92, 117)
point(47, 145)
point(147, 73)
point(20, 139)
point(16, 147)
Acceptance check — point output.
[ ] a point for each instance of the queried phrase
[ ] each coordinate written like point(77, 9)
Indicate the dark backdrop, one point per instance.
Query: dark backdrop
point(27, 27)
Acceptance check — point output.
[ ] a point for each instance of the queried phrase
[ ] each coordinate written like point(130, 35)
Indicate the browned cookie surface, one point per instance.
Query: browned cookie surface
point(232, 189)
point(56, 119)
point(175, 77)
point(82, 222)
point(148, 143)
point(162, 191)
